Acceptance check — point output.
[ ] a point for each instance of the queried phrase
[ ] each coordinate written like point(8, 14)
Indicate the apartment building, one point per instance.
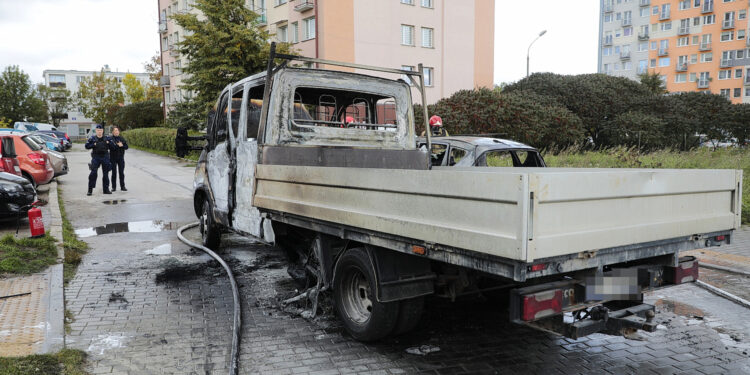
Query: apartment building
point(454, 40)
point(624, 26)
point(695, 45)
point(77, 124)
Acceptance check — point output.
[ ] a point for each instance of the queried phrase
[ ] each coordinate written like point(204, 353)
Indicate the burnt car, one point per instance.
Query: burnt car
point(16, 195)
point(471, 151)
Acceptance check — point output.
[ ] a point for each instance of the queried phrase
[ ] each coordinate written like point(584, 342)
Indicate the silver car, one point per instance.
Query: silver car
point(57, 159)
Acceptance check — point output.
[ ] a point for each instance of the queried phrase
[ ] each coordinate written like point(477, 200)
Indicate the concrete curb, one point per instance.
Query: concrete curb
point(54, 339)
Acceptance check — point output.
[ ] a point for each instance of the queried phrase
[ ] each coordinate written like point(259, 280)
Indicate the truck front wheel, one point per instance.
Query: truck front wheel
point(210, 234)
point(363, 316)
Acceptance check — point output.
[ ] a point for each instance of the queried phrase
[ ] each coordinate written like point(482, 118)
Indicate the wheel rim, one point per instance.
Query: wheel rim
point(357, 303)
point(204, 221)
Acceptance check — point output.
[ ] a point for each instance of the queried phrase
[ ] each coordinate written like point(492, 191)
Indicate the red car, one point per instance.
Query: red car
point(35, 164)
point(8, 160)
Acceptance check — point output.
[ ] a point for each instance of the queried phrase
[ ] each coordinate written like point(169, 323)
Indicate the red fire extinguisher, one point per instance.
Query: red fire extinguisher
point(36, 224)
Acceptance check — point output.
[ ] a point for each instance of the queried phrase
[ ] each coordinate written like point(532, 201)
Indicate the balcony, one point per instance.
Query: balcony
point(683, 30)
point(704, 46)
point(702, 83)
point(707, 7)
point(627, 22)
point(607, 41)
point(727, 24)
point(664, 16)
point(304, 5)
point(725, 63)
point(162, 27)
point(663, 51)
point(173, 50)
point(164, 81)
point(624, 55)
point(682, 67)
point(642, 35)
point(644, 3)
point(608, 8)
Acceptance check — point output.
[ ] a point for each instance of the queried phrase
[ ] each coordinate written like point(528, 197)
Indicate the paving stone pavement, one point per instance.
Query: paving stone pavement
point(130, 324)
point(740, 243)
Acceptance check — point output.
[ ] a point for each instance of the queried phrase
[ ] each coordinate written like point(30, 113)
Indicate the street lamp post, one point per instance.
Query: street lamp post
point(529, 50)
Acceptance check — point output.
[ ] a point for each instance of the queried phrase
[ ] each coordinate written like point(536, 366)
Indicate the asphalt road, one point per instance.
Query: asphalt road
point(146, 304)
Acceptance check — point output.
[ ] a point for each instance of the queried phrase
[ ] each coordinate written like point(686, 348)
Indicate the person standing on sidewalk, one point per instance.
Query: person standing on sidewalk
point(100, 147)
point(117, 158)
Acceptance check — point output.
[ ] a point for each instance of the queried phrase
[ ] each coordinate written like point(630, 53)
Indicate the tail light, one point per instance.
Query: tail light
point(37, 158)
point(66, 136)
point(541, 304)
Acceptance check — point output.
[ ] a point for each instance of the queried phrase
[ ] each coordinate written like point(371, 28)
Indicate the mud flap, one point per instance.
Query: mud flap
point(401, 276)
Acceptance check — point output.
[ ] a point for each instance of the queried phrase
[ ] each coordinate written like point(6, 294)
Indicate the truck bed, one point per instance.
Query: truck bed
point(520, 214)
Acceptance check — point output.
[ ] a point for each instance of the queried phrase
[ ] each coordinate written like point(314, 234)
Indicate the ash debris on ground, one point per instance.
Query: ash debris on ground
point(177, 271)
point(118, 298)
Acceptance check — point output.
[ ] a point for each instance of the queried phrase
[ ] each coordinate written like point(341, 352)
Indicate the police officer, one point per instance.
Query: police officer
point(117, 158)
point(100, 147)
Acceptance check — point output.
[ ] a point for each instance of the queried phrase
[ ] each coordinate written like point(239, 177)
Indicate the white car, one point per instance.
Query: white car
point(33, 126)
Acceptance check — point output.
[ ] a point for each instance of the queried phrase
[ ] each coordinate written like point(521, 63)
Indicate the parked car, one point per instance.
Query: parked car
point(471, 151)
point(8, 160)
point(35, 164)
point(16, 195)
point(49, 143)
point(58, 160)
point(67, 144)
point(33, 126)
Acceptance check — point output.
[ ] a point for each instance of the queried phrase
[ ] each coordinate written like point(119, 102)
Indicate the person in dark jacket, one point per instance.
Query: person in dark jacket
point(100, 147)
point(117, 158)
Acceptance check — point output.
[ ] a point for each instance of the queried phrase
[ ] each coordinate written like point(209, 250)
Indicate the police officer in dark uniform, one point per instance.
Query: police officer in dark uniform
point(100, 147)
point(117, 158)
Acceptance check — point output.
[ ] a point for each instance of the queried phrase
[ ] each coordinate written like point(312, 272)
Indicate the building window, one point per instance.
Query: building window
point(279, 2)
point(428, 77)
point(747, 91)
point(642, 46)
point(426, 3)
point(407, 35)
point(684, 4)
point(742, 14)
point(694, 58)
point(427, 34)
point(707, 57)
point(644, 12)
point(738, 73)
point(664, 61)
point(405, 77)
point(281, 34)
point(653, 63)
point(666, 26)
point(696, 21)
point(740, 54)
point(655, 10)
point(709, 20)
point(680, 78)
point(608, 18)
point(727, 36)
point(724, 93)
point(309, 30)
point(295, 32)
point(682, 42)
point(696, 39)
point(653, 45)
point(627, 66)
point(740, 34)
point(407, 2)
point(607, 51)
point(628, 31)
point(693, 77)
point(725, 74)
point(605, 68)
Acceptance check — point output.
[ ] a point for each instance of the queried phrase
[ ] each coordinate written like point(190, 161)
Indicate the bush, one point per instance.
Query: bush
point(144, 114)
point(157, 140)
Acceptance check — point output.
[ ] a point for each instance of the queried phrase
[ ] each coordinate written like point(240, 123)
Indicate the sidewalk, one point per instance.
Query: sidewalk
point(33, 322)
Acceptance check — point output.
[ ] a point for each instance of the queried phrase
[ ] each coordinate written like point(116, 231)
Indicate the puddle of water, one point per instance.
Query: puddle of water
point(115, 201)
point(148, 226)
point(164, 249)
point(679, 308)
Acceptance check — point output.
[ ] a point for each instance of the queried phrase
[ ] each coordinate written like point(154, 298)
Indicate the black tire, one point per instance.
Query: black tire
point(210, 233)
point(409, 315)
point(363, 316)
point(31, 179)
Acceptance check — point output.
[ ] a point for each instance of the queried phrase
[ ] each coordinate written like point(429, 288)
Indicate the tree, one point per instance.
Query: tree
point(143, 114)
point(712, 112)
point(188, 113)
point(653, 82)
point(153, 68)
point(19, 99)
point(225, 45)
point(59, 101)
point(100, 96)
point(134, 90)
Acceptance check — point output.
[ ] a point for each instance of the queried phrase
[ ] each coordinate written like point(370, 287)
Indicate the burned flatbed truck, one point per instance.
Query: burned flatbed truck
point(325, 164)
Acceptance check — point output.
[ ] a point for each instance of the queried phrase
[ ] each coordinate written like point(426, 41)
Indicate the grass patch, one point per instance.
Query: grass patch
point(73, 247)
point(193, 155)
point(26, 255)
point(701, 158)
point(66, 361)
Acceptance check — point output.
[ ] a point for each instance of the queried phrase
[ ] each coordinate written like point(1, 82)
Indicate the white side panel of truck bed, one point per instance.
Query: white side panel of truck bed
point(491, 210)
point(589, 209)
point(477, 211)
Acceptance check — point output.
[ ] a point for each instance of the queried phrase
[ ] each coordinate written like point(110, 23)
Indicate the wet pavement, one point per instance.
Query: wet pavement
point(144, 303)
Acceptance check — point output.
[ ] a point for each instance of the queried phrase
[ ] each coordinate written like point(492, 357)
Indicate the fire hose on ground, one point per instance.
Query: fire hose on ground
point(234, 364)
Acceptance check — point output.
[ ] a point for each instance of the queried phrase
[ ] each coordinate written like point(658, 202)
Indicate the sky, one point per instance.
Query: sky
point(87, 34)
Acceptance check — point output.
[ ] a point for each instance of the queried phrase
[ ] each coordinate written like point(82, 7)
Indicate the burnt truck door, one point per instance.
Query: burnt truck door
point(217, 164)
point(245, 217)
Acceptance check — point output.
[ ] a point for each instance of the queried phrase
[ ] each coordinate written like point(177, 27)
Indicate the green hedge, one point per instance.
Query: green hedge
point(157, 140)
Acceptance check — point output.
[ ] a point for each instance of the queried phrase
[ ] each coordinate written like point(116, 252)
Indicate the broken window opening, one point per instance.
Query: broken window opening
point(343, 109)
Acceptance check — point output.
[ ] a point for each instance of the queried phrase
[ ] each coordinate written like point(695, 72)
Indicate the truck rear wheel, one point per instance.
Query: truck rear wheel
point(363, 316)
point(210, 234)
